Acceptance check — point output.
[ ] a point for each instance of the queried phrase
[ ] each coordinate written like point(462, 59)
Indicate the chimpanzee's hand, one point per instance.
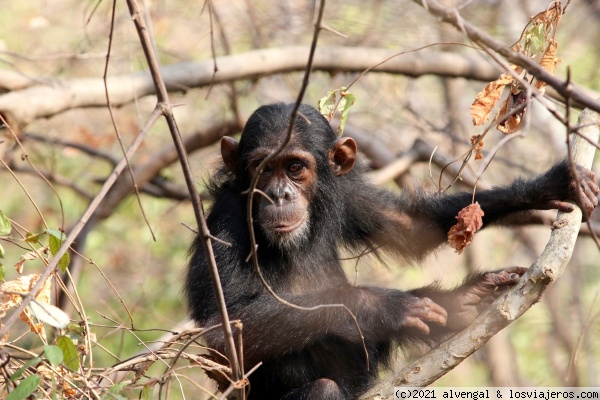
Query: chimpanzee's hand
point(477, 293)
point(421, 310)
point(581, 189)
point(585, 194)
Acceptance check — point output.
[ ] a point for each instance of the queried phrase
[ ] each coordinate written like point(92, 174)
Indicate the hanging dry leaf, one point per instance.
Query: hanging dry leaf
point(10, 290)
point(37, 328)
point(469, 222)
point(511, 118)
point(486, 99)
point(32, 255)
point(537, 42)
point(548, 62)
point(477, 146)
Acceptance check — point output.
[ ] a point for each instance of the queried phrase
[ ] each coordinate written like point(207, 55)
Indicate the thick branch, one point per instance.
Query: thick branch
point(46, 100)
point(510, 306)
point(452, 16)
point(43, 101)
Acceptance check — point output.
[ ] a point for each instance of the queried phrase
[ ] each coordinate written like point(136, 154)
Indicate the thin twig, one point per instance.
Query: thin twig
point(114, 122)
point(7, 324)
point(165, 106)
point(253, 254)
point(65, 143)
point(451, 15)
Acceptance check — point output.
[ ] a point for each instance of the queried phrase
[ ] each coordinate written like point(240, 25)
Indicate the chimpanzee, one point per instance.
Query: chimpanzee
point(315, 201)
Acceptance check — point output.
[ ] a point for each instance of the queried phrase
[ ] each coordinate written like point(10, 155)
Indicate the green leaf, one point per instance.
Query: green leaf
point(327, 104)
point(25, 388)
point(346, 102)
point(2, 272)
point(76, 328)
point(1, 251)
point(535, 38)
point(69, 350)
point(114, 392)
point(115, 396)
point(19, 372)
point(75, 332)
point(64, 261)
point(54, 245)
point(33, 238)
point(57, 234)
point(54, 354)
point(49, 314)
point(5, 226)
point(118, 388)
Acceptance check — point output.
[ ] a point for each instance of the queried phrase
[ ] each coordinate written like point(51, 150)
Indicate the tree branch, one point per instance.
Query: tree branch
point(165, 105)
point(451, 15)
point(166, 156)
point(46, 100)
point(42, 101)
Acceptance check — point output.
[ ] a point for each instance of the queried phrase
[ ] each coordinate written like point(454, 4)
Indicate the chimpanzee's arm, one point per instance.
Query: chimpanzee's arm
point(270, 327)
point(428, 314)
point(418, 224)
point(550, 190)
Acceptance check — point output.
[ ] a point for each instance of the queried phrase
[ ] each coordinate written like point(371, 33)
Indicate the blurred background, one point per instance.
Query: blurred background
point(54, 43)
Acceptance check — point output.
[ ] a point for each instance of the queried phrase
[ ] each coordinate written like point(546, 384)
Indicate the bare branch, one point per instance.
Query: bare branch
point(166, 108)
point(451, 15)
point(168, 155)
point(80, 224)
point(43, 101)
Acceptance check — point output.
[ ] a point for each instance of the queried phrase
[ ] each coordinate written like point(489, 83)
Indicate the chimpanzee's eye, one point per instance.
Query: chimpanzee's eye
point(295, 167)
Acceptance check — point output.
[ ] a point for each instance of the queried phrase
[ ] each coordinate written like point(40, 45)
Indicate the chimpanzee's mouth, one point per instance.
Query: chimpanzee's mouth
point(282, 228)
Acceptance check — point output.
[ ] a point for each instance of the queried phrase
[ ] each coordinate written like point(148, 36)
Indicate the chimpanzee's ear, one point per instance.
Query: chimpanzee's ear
point(342, 156)
point(229, 152)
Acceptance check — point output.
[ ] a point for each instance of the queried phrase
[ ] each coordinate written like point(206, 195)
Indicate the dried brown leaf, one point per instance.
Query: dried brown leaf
point(477, 146)
point(511, 119)
point(32, 255)
point(486, 99)
point(549, 62)
point(11, 297)
point(511, 125)
point(469, 222)
point(35, 327)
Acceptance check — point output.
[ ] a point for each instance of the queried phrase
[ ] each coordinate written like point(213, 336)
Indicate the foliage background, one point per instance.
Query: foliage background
point(65, 39)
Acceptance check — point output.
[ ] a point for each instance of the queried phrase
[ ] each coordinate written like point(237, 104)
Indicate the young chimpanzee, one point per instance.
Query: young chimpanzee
point(315, 200)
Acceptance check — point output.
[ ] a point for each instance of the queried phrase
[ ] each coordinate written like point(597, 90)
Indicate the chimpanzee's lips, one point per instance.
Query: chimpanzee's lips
point(282, 228)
